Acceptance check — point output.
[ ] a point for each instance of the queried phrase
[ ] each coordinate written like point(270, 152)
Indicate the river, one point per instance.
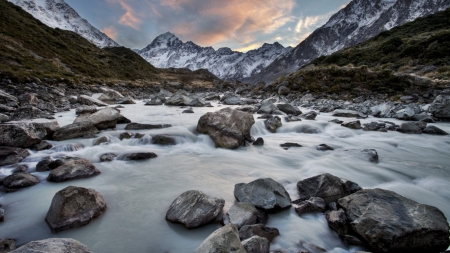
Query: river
point(138, 193)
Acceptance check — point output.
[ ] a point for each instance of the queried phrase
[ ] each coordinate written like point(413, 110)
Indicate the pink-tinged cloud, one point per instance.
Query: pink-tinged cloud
point(130, 18)
point(213, 21)
point(110, 32)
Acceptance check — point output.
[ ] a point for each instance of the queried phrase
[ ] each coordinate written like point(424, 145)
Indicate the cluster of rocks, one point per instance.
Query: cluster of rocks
point(376, 219)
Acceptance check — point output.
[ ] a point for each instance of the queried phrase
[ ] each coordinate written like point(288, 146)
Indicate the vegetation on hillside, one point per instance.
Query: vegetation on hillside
point(28, 48)
point(423, 42)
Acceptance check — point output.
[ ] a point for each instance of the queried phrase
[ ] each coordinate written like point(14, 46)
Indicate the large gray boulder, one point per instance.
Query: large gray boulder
point(86, 100)
point(267, 107)
point(76, 130)
point(228, 128)
point(264, 193)
point(389, 222)
point(409, 128)
point(10, 155)
point(242, 214)
point(102, 119)
point(53, 245)
point(440, 108)
point(20, 180)
point(348, 114)
point(273, 123)
point(194, 209)
point(21, 134)
point(72, 168)
point(110, 96)
point(249, 231)
point(256, 244)
point(223, 240)
point(289, 109)
point(179, 99)
point(326, 186)
point(405, 114)
point(74, 207)
point(198, 102)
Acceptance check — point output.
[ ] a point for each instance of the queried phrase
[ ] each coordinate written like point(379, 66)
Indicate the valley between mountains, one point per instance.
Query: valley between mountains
point(339, 144)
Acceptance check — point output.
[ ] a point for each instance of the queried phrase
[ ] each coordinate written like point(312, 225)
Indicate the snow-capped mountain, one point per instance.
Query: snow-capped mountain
point(58, 14)
point(357, 22)
point(168, 51)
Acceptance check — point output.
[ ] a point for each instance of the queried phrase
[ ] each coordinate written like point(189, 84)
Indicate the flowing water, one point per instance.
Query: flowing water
point(138, 193)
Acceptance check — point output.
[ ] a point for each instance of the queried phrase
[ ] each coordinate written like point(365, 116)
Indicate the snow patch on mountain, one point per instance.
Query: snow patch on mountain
point(168, 51)
point(58, 14)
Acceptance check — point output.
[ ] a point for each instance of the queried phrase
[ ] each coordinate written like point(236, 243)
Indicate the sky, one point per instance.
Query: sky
point(241, 25)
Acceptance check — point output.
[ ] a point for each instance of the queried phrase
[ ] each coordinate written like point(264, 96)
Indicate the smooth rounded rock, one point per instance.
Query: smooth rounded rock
point(194, 209)
point(74, 207)
point(389, 222)
point(10, 155)
point(73, 168)
point(223, 240)
point(242, 214)
point(163, 139)
point(264, 193)
point(273, 124)
point(20, 180)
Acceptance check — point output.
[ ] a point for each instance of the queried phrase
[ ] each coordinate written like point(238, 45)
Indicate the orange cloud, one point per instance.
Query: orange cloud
point(130, 18)
point(240, 20)
point(110, 32)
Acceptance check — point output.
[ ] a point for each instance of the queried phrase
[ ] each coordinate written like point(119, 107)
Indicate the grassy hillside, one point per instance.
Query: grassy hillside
point(29, 48)
point(425, 41)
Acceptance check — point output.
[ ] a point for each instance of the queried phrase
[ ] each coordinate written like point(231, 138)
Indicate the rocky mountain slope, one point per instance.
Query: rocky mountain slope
point(58, 14)
point(412, 59)
point(168, 51)
point(357, 22)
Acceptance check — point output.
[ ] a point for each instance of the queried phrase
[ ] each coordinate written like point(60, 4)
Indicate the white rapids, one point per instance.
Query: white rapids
point(138, 193)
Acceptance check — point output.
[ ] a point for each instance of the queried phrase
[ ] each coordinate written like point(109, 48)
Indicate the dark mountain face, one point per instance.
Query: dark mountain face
point(357, 22)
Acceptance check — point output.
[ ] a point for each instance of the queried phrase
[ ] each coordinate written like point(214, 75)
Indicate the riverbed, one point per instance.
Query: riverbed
point(138, 193)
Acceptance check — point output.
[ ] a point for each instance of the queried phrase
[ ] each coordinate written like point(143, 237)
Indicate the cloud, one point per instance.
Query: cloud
point(130, 18)
point(310, 22)
point(209, 22)
point(110, 32)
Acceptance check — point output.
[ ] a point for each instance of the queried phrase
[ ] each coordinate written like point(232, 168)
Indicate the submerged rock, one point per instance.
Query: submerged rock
point(228, 128)
point(288, 145)
point(73, 168)
point(223, 240)
point(324, 147)
point(256, 244)
point(10, 155)
point(139, 156)
point(163, 139)
point(314, 204)
point(326, 186)
point(242, 214)
point(76, 130)
point(194, 209)
point(20, 180)
point(370, 155)
point(74, 207)
point(249, 231)
point(273, 124)
point(138, 126)
point(264, 193)
point(409, 128)
point(389, 222)
point(54, 245)
point(434, 130)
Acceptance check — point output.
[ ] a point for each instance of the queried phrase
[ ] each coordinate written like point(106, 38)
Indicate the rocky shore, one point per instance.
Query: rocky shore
point(376, 219)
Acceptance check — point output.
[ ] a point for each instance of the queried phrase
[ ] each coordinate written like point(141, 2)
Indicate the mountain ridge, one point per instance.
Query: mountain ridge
point(168, 51)
point(58, 14)
point(363, 19)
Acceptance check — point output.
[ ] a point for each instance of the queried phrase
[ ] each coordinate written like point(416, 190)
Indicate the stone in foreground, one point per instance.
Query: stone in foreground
point(389, 222)
point(256, 244)
point(264, 193)
point(73, 168)
point(228, 128)
point(9, 155)
point(242, 214)
point(194, 209)
point(20, 180)
point(223, 240)
point(326, 186)
point(249, 231)
point(74, 207)
point(54, 245)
